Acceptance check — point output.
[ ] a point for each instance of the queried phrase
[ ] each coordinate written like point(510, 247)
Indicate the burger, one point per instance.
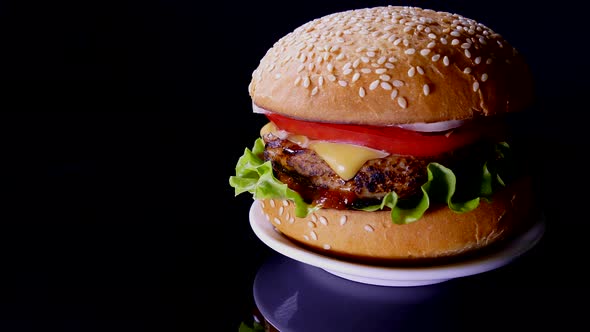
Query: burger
point(392, 136)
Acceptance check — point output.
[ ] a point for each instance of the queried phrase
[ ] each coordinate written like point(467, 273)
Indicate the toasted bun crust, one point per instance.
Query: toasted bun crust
point(441, 234)
point(391, 65)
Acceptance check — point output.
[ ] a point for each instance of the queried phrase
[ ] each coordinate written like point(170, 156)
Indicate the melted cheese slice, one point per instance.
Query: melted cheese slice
point(345, 159)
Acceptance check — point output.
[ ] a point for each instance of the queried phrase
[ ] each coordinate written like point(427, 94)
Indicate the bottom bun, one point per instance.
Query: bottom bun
point(440, 234)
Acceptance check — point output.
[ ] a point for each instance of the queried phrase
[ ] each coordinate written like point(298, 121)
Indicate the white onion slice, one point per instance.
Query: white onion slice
point(258, 109)
point(418, 126)
point(433, 126)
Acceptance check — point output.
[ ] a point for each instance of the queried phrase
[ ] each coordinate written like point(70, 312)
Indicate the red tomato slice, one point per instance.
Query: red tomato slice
point(394, 140)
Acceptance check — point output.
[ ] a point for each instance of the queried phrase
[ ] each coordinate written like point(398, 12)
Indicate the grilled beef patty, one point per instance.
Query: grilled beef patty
point(304, 171)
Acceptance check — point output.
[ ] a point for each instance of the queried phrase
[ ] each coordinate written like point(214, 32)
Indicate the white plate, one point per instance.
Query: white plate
point(393, 276)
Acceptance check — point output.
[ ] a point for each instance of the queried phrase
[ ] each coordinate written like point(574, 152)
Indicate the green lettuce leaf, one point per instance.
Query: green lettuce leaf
point(255, 176)
point(254, 327)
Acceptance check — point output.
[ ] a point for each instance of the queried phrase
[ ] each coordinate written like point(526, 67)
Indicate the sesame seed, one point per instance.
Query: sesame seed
point(355, 77)
point(424, 52)
point(306, 82)
point(356, 63)
point(484, 77)
point(323, 220)
point(431, 36)
point(311, 224)
point(277, 221)
point(361, 92)
point(382, 60)
point(320, 80)
point(374, 85)
point(420, 70)
point(397, 41)
point(443, 40)
point(314, 91)
point(380, 71)
point(466, 45)
point(389, 65)
point(365, 70)
point(475, 86)
point(410, 51)
point(340, 56)
point(446, 61)
point(330, 67)
point(331, 78)
point(369, 228)
point(489, 61)
point(342, 83)
point(402, 102)
point(477, 60)
point(393, 94)
point(347, 71)
point(384, 77)
point(297, 80)
point(327, 246)
point(397, 83)
point(411, 71)
point(455, 42)
point(467, 53)
point(426, 89)
point(467, 70)
point(435, 57)
point(314, 236)
point(386, 86)
point(343, 220)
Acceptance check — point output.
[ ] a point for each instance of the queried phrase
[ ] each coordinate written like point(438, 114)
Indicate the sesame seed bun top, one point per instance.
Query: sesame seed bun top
point(391, 65)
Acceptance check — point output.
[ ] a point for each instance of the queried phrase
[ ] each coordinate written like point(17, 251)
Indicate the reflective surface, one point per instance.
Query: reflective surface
point(294, 296)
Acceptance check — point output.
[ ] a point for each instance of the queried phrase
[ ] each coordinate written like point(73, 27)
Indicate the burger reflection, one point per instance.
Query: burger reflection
point(293, 296)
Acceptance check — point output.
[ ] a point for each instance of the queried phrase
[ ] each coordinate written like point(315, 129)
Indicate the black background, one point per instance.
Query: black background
point(120, 124)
